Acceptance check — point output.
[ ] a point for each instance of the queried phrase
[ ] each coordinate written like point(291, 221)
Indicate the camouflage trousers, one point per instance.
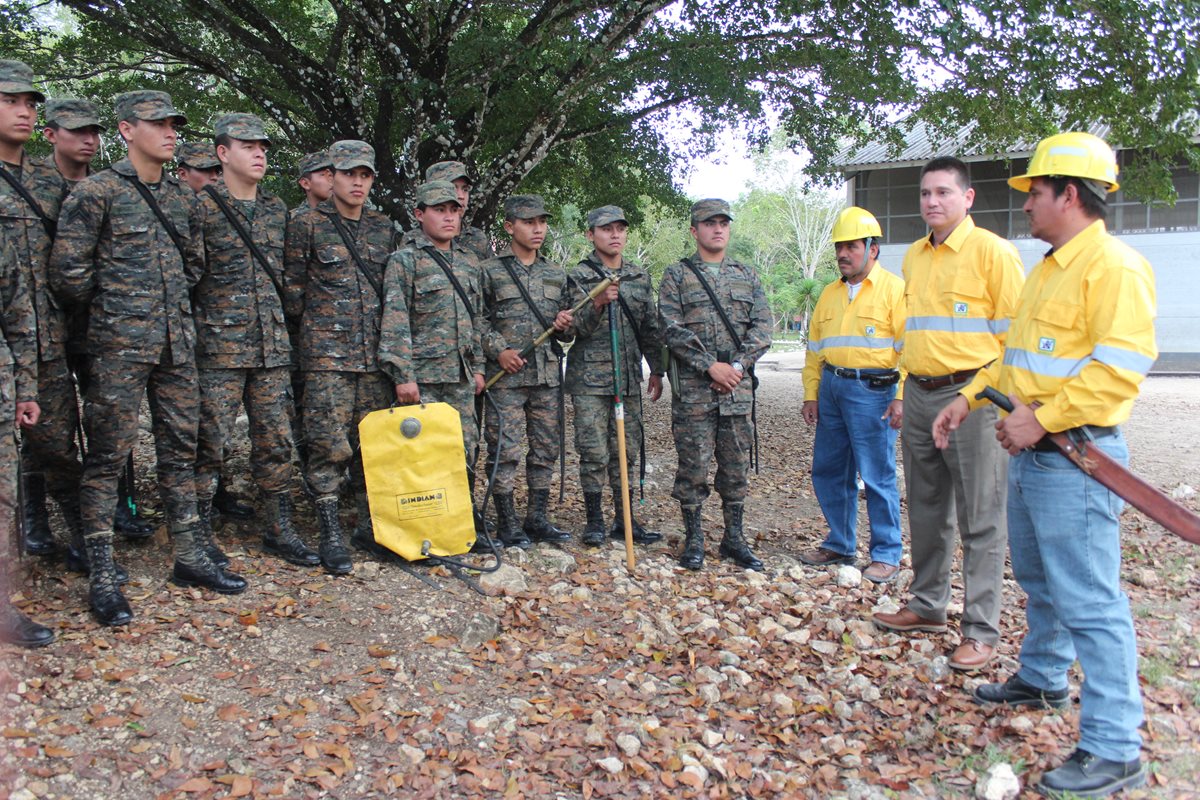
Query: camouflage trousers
point(8, 479)
point(461, 397)
point(700, 434)
point(596, 440)
point(524, 410)
point(265, 393)
point(334, 404)
point(50, 447)
point(113, 401)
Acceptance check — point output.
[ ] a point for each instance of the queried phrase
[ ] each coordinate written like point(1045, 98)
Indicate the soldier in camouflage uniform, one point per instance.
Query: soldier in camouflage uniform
point(242, 353)
point(50, 459)
point(429, 341)
point(528, 396)
point(589, 378)
point(339, 304)
point(470, 237)
point(18, 390)
point(710, 378)
point(314, 173)
point(114, 253)
point(73, 128)
point(197, 165)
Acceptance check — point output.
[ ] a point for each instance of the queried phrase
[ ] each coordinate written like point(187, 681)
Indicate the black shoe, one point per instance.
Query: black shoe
point(335, 557)
point(734, 545)
point(131, 527)
point(364, 540)
point(281, 538)
point(204, 535)
point(509, 531)
point(18, 629)
point(1087, 775)
point(39, 539)
point(104, 595)
point(208, 575)
point(693, 545)
point(538, 526)
point(75, 559)
point(227, 504)
point(1016, 692)
point(640, 534)
point(593, 531)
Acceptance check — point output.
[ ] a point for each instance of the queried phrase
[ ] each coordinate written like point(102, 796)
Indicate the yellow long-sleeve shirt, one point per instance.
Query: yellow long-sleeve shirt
point(864, 334)
point(1083, 337)
point(960, 297)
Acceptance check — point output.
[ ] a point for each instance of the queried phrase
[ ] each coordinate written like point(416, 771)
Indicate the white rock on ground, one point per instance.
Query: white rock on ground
point(999, 783)
point(506, 580)
point(848, 576)
point(611, 765)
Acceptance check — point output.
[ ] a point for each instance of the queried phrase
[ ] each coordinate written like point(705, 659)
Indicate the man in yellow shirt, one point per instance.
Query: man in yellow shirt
point(961, 286)
point(1080, 345)
point(850, 394)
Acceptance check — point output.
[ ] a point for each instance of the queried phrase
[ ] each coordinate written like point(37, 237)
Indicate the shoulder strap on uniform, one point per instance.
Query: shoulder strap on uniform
point(624, 307)
point(512, 273)
point(50, 225)
point(347, 240)
point(158, 212)
point(737, 340)
point(244, 234)
point(446, 268)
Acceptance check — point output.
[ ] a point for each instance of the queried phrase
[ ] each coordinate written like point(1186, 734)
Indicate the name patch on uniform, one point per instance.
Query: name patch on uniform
point(870, 330)
point(421, 504)
point(1046, 345)
point(960, 309)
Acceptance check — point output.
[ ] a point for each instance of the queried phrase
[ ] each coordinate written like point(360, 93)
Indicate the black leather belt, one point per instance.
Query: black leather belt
point(1084, 431)
point(861, 374)
point(931, 382)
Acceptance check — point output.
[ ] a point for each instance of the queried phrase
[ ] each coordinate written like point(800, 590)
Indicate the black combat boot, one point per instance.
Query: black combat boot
point(693, 544)
point(537, 525)
point(509, 531)
point(281, 538)
point(18, 629)
point(335, 558)
point(227, 504)
point(194, 567)
point(127, 522)
point(593, 532)
point(640, 534)
point(76, 558)
point(363, 537)
point(204, 534)
point(39, 539)
point(734, 545)
point(104, 594)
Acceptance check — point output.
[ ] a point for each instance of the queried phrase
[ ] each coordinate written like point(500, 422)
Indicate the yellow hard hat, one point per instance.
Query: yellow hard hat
point(856, 223)
point(1071, 155)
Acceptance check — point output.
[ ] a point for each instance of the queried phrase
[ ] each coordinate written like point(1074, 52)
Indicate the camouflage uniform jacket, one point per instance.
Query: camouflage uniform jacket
point(76, 316)
point(32, 244)
point(696, 336)
point(338, 309)
point(239, 314)
point(473, 239)
point(428, 336)
point(589, 364)
point(507, 320)
point(18, 346)
point(114, 254)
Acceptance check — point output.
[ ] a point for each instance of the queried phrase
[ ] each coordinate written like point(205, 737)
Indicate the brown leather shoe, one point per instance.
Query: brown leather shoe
point(907, 620)
point(971, 655)
point(820, 557)
point(880, 572)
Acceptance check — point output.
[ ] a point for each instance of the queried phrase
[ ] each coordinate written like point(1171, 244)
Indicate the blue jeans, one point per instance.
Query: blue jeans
point(1066, 554)
point(852, 437)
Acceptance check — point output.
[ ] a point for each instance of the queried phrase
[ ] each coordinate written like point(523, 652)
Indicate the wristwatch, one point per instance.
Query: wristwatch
point(738, 366)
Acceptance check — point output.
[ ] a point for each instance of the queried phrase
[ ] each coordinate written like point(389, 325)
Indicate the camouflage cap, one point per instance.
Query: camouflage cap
point(434, 192)
point(197, 155)
point(709, 208)
point(148, 105)
point(525, 206)
point(605, 215)
point(72, 113)
point(313, 162)
point(245, 127)
point(447, 171)
point(351, 153)
point(16, 77)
